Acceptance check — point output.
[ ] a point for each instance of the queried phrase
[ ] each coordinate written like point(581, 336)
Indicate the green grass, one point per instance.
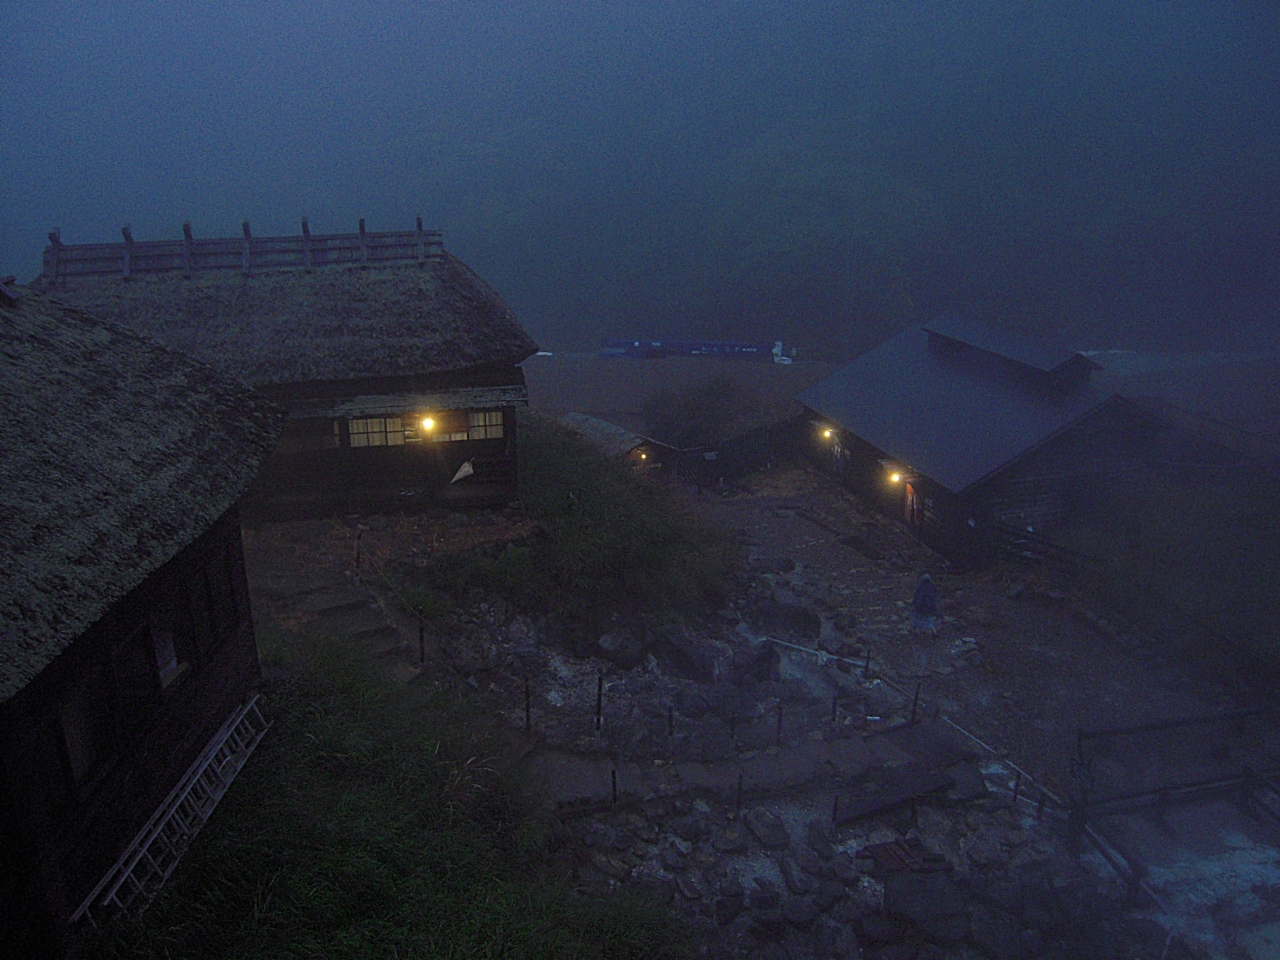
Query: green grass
point(375, 821)
point(608, 540)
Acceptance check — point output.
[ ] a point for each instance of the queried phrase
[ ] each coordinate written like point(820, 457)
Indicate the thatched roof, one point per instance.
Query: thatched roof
point(333, 323)
point(118, 453)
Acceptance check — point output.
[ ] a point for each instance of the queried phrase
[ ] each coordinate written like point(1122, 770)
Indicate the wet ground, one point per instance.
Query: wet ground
point(786, 801)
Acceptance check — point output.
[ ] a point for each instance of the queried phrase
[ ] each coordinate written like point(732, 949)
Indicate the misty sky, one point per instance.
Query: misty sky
point(825, 172)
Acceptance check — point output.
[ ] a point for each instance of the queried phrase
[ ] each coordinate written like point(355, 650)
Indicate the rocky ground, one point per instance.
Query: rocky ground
point(783, 799)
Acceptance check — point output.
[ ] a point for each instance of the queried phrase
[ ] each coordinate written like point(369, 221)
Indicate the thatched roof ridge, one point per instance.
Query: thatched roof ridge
point(118, 453)
point(332, 323)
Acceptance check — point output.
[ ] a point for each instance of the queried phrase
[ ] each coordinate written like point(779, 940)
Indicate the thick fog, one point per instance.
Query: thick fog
point(823, 172)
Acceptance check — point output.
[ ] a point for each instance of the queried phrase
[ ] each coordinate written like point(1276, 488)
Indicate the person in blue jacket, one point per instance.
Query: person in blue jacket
point(924, 606)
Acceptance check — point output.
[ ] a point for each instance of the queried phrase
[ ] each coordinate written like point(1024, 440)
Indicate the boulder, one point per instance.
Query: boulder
point(622, 649)
point(932, 901)
point(768, 829)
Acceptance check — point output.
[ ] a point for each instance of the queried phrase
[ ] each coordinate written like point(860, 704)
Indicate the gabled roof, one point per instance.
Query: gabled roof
point(1038, 354)
point(611, 439)
point(118, 453)
point(277, 324)
point(941, 416)
point(1240, 390)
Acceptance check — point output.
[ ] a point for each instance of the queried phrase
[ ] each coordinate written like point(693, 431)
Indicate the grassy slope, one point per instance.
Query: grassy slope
point(609, 539)
point(374, 821)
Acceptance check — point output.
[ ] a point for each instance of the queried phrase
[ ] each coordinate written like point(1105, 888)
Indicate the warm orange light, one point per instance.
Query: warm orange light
point(644, 456)
point(895, 477)
point(428, 424)
point(826, 433)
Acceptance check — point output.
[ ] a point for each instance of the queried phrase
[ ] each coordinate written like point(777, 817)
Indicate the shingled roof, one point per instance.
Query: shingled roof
point(292, 325)
point(118, 453)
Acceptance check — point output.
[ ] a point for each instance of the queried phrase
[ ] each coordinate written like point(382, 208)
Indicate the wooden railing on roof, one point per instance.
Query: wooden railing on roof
point(248, 254)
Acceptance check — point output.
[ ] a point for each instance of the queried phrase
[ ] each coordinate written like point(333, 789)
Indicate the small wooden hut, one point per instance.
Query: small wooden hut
point(127, 654)
point(397, 364)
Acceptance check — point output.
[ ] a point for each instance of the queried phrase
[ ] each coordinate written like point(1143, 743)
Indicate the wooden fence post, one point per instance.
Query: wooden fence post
point(244, 250)
point(364, 245)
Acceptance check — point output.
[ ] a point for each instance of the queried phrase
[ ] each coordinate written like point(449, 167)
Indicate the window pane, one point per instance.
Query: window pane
point(359, 426)
point(393, 423)
point(377, 439)
point(359, 439)
point(395, 438)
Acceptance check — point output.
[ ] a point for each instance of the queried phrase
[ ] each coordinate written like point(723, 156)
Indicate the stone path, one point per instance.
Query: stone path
point(781, 802)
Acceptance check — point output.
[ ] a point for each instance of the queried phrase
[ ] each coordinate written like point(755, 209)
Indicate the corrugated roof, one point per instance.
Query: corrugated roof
point(1030, 352)
point(611, 439)
point(118, 453)
point(333, 323)
point(939, 416)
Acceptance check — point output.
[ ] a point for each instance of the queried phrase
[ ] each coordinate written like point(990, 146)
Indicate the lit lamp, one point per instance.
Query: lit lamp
point(827, 434)
point(428, 424)
point(895, 477)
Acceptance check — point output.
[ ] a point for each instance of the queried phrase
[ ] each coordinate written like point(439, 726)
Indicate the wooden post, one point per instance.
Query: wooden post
point(364, 245)
point(915, 703)
point(127, 233)
point(188, 245)
point(1040, 804)
point(306, 245)
point(422, 639)
point(599, 700)
point(422, 245)
point(245, 262)
point(55, 254)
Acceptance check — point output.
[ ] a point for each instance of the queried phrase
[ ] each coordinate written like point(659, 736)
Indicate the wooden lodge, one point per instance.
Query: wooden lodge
point(127, 653)
point(397, 364)
point(977, 439)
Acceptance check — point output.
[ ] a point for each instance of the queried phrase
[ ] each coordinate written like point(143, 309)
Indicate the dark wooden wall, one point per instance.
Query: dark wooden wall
point(300, 479)
point(73, 828)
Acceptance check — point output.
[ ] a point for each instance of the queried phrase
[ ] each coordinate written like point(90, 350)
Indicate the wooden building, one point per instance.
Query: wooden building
point(970, 435)
point(397, 364)
point(127, 654)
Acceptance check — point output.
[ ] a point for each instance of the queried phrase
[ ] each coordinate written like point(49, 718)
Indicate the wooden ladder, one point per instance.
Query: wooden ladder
point(148, 861)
